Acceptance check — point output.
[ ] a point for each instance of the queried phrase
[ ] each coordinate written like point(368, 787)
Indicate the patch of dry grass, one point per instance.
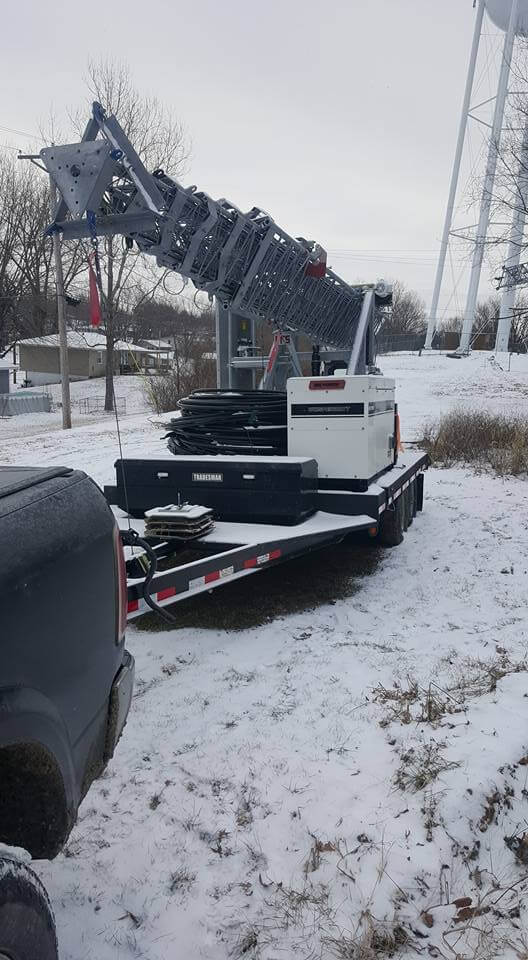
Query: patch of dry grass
point(409, 703)
point(420, 766)
point(495, 441)
point(476, 677)
point(372, 939)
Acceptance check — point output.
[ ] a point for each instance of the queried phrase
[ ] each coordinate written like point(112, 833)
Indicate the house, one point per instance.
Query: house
point(40, 363)
point(162, 352)
point(5, 369)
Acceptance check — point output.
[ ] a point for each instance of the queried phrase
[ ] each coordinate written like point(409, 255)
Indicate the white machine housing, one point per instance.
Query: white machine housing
point(346, 423)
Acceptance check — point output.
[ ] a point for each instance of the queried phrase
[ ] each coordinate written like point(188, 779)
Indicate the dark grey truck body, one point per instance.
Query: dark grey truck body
point(65, 677)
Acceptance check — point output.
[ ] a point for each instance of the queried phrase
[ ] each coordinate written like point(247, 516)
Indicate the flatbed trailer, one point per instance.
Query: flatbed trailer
point(235, 550)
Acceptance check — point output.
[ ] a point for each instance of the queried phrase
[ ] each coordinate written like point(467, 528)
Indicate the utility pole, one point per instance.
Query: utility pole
point(61, 316)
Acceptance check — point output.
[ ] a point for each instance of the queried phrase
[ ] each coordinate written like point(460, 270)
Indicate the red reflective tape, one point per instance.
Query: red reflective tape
point(133, 605)
point(252, 562)
point(275, 554)
point(165, 594)
point(209, 577)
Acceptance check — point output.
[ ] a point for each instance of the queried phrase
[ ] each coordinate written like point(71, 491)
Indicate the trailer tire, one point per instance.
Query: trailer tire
point(410, 500)
point(419, 492)
point(404, 500)
point(27, 925)
point(391, 525)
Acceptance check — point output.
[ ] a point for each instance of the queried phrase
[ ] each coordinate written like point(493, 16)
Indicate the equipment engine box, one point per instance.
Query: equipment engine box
point(346, 423)
point(243, 489)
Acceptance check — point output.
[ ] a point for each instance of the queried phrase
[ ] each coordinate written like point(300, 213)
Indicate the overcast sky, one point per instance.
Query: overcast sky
point(339, 119)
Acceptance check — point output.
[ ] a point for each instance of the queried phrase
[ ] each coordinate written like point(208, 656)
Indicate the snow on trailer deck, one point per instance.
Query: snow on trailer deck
point(252, 547)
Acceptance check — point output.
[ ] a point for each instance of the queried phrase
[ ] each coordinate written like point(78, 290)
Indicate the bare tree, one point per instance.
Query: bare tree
point(27, 305)
point(487, 316)
point(408, 313)
point(10, 278)
point(130, 278)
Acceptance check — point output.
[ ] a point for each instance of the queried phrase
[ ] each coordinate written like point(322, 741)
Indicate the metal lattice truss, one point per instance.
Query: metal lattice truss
point(515, 276)
point(244, 259)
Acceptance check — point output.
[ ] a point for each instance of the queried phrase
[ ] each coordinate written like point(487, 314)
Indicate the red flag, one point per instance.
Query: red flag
point(316, 268)
point(95, 306)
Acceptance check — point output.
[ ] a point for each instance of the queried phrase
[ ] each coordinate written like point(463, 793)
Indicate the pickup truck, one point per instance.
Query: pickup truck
point(66, 679)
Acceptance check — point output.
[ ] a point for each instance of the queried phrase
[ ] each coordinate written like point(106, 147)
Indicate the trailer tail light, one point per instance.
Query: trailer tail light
point(121, 586)
point(331, 384)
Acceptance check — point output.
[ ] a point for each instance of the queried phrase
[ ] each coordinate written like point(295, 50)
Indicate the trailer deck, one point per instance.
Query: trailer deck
point(234, 550)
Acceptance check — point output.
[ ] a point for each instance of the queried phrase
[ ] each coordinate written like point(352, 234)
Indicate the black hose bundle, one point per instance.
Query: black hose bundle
point(244, 422)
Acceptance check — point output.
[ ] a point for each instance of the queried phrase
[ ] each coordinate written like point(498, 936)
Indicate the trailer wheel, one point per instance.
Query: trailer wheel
point(391, 525)
point(410, 504)
point(404, 500)
point(419, 492)
point(27, 925)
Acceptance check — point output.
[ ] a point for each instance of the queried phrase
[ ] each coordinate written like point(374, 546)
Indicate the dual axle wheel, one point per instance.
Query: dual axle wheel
point(398, 517)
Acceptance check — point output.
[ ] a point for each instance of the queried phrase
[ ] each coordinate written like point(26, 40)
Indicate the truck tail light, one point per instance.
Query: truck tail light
point(331, 384)
point(121, 586)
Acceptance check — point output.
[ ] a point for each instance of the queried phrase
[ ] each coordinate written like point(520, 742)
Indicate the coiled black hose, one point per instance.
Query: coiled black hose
point(244, 422)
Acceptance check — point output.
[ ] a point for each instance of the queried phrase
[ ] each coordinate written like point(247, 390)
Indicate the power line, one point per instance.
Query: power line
point(9, 146)
point(20, 133)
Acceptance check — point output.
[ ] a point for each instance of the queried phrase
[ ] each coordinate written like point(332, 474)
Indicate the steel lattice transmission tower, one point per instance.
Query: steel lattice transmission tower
point(511, 16)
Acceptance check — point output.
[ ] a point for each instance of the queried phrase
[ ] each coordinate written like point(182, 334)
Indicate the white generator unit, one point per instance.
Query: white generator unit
point(346, 423)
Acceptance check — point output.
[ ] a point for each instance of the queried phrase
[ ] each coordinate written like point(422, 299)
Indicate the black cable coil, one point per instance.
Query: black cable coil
point(244, 422)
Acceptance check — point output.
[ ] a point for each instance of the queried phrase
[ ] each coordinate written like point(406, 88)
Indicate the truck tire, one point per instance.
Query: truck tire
point(391, 525)
point(27, 925)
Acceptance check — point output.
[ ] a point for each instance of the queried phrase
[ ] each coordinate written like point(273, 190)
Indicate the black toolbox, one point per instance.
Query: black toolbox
point(279, 490)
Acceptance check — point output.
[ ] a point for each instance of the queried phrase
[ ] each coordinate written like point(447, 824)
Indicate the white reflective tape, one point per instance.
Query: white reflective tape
point(197, 582)
point(227, 571)
point(263, 558)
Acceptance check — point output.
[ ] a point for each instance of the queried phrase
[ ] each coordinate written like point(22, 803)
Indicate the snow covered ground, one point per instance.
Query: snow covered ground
point(128, 389)
point(324, 782)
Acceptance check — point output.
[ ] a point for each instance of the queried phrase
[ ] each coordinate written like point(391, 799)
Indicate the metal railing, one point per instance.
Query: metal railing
point(91, 405)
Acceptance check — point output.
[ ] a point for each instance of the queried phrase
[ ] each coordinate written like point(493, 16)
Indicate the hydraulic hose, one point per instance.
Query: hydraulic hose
point(244, 422)
point(131, 538)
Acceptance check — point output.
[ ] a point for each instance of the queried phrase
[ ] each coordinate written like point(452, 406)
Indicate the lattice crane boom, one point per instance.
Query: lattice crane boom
point(244, 259)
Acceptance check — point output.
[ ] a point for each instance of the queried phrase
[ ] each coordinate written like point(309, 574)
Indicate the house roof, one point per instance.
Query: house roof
point(158, 344)
point(82, 340)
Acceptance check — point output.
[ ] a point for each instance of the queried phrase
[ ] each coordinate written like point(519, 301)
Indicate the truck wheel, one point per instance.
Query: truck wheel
point(391, 525)
point(27, 925)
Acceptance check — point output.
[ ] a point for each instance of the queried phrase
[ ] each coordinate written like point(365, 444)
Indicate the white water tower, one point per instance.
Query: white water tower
point(511, 16)
point(499, 11)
